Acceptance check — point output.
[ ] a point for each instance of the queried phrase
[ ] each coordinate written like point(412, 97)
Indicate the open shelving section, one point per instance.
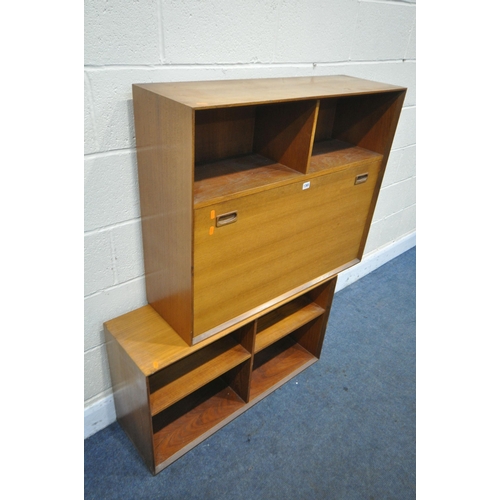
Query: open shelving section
point(255, 195)
point(178, 400)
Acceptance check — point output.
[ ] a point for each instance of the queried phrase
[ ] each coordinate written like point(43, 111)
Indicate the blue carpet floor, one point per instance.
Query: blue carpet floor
point(344, 429)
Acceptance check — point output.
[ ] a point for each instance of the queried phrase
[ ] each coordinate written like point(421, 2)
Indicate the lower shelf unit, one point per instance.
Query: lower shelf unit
point(170, 396)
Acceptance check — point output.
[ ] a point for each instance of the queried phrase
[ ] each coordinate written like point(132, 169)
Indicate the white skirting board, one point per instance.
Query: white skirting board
point(102, 413)
point(376, 259)
point(99, 415)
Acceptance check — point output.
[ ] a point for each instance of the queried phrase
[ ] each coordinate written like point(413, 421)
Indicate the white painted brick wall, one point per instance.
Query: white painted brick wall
point(112, 180)
point(382, 31)
point(136, 41)
point(121, 32)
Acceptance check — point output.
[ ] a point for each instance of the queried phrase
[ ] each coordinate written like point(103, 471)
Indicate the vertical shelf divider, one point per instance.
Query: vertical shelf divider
point(312, 339)
point(239, 377)
point(284, 132)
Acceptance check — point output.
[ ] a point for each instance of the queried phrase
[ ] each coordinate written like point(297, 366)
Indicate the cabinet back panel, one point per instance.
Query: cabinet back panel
point(326, 115)
point(222, 133)
point(368, 121)
point(282, 238)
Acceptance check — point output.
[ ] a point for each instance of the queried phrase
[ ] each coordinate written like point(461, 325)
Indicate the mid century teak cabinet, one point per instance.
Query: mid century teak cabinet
point(254, 195)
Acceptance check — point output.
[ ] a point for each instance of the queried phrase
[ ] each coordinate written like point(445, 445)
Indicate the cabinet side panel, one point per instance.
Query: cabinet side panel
point(164, 136)
point(130, 395)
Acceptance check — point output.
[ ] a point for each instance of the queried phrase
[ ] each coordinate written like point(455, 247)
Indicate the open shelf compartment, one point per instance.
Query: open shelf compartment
point(189, 374)
point(333, 154)
point(284, 320)
point(289, 339)
point(277, 364)
point(244, 148)
point(194, 418)
point(352, 130)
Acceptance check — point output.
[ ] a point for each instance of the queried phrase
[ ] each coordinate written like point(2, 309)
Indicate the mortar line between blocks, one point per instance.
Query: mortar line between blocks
point(406, 3)
point(91, 105)
point(160, 32)
point(111, 152)
point(261, 65)
point(113, 257)
point(114, 287)
point(110, 227)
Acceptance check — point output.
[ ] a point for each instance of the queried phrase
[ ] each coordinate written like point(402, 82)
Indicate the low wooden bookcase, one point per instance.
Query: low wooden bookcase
point(254, 194)
point(170, 396)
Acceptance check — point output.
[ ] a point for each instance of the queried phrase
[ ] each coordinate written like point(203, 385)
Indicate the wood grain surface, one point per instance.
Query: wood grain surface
point(164, 130)
point(226, 93)
point(283, 237)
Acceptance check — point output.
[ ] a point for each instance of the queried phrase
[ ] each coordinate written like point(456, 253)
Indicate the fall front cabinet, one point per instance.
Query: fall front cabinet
point(254, 195)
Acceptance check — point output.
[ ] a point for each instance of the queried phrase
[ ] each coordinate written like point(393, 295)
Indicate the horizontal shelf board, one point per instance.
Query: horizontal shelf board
point(276, 364)
point(219, 180)
point(193, 419)
point(186, 376)
point(282, 321)
point(335, 155)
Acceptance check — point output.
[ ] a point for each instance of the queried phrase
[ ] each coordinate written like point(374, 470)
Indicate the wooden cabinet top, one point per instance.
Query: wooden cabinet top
point(213, 94)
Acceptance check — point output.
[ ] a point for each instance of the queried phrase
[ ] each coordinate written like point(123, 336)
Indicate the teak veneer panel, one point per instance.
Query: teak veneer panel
point(223, 93)
point(165, 171)
point(274, 247)
point(130, 394)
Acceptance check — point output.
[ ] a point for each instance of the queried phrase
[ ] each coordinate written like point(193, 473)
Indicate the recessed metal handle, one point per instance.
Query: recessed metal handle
point(361, 178)
point(225, 219)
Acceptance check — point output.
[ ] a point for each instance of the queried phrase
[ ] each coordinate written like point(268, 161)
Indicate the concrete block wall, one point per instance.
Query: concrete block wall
point(132, 41)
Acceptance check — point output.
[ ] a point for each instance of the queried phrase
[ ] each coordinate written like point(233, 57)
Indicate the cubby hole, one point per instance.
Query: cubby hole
point(289, 338)
point(281, 360)
point(245, 148)
point(285, 319)
point(352, 130)
point(175, 382)
point(194, 417)
point(200, 393)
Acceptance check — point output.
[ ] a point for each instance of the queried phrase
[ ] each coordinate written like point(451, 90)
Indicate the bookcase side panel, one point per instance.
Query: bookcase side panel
point(164, 135)
point(130, 393)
